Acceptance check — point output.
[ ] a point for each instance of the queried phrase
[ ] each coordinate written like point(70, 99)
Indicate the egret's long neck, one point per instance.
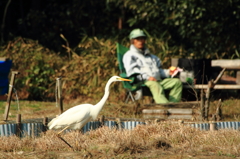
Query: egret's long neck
point(97, 108)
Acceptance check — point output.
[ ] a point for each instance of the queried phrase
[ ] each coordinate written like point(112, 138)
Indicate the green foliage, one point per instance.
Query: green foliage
point(85, 69)
point(72, 18)
point(204, 29)
point(201, 28)
point(84, 73)
point(37, 66)
point(38, 78)
point(90, 68)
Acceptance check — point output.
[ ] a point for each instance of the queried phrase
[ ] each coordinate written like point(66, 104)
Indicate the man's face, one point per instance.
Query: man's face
point(139, 42)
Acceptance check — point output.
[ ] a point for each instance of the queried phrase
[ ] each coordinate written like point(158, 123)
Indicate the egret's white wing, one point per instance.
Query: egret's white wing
point(79, 114)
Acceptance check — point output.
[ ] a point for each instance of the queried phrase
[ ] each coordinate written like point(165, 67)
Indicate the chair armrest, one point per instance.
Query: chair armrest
point(123, 75)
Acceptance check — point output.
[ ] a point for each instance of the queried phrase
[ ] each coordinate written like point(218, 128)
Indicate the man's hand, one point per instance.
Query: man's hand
point(173, 71)
point(152, 79)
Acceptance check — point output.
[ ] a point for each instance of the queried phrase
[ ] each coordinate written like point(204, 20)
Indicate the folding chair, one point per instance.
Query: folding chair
point(135, 89)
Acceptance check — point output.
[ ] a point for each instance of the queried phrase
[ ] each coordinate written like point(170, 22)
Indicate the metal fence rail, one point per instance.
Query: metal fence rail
point(35, 129)
point(219, 125)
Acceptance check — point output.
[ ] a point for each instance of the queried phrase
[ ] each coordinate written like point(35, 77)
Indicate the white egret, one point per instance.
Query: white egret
point(77, 116)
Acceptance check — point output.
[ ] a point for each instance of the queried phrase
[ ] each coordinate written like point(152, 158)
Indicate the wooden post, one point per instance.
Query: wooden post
point(180, 122)
point(10, 91)
point(32, 130)
point(147, 122)
point(102, 119)
point(213, 126)
point(219, 110)
point(45, 123)
point(211, 85)
point(118, 120)
point(238, 80)
point(135, 107)
point(18, 126)
point(156, 121)
point(238, 77)
point(202, 107)
point(207, 102)
point(59, 95)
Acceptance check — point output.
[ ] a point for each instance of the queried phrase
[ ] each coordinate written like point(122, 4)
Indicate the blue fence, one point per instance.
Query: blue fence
point(35, 129)
point(219, 125)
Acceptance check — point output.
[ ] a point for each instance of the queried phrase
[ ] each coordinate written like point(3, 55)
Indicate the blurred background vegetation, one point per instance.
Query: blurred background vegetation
point(77, 39)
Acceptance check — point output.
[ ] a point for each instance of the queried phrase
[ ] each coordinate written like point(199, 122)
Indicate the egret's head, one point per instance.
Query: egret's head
point(117, 78)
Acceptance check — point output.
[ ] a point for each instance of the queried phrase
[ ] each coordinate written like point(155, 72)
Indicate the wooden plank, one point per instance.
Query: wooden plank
point(173, 105)
point(171, 111)
point(223, 63)
point(228, 64)
point(180, 117)
point(150, 116)
point(155, 111)
point(165, 117)
point(217, 86)
point(177, 111)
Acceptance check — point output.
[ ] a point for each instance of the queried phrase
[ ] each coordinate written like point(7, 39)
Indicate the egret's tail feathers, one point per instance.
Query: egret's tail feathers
point(50, 124)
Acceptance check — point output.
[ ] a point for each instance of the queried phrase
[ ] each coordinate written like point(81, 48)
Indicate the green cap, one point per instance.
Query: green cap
point(136, 33)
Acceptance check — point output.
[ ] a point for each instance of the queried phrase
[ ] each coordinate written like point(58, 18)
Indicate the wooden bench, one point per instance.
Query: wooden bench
point(217, 86)
point(230, 65)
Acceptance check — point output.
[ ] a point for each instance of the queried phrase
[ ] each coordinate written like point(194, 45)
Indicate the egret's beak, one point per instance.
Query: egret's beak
point(124, 79)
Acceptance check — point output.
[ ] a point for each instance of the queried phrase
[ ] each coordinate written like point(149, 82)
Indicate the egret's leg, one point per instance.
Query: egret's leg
point(59, 136)
point(62, 130)
point(65, 141)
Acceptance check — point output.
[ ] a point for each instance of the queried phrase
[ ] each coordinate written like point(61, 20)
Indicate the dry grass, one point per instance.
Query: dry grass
point(112, 108)
point(145, 141)
point(37, 109)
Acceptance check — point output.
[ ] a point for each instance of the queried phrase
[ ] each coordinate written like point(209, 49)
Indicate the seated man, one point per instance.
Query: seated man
point(139, 60)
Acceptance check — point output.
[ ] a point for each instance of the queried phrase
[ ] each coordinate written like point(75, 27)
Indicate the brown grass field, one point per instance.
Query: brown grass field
point(165, 139)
